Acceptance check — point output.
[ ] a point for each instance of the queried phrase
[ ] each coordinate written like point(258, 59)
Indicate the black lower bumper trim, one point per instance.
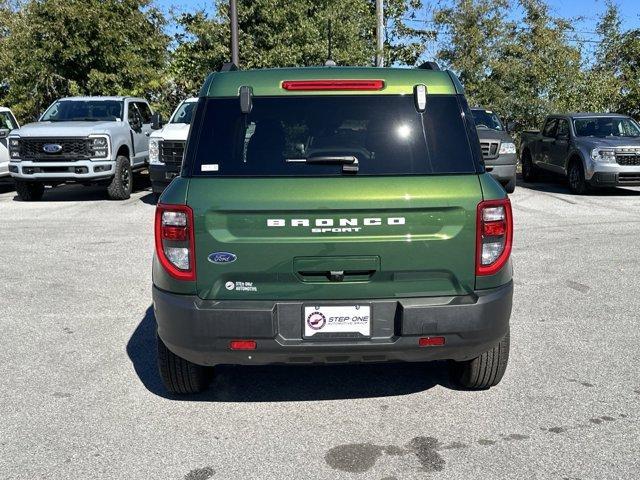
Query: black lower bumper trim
point(200, 330)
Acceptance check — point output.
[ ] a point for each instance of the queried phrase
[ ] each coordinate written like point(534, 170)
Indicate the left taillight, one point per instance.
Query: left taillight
point(174, 240)
point(494, 233)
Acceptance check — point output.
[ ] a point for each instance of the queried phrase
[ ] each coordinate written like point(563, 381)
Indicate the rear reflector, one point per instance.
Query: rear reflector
point(431, 341)
point(307, 85)
point(242, 345)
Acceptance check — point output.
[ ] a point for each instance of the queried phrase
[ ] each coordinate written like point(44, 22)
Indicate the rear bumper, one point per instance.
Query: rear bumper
point(200, 330)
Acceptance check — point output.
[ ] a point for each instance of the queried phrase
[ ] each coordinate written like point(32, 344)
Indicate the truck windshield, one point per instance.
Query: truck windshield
point(84, 110)
point(313, 135)
point(606, 127)
point(6, 121)
point(184, 113)
point(487, 119)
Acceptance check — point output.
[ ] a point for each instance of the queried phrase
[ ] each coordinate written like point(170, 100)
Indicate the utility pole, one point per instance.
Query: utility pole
point(379, 34)
point(233, 13)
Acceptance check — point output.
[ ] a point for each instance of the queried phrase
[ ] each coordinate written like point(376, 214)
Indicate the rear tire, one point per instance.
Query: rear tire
point(122, 183)
point(529, 170)
point(180, 376)
point(510, 186)
point(575, 176)
point(29, 191)
point(484, 371)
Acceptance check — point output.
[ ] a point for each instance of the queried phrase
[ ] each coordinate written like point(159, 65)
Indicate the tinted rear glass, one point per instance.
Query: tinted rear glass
point(386, 134)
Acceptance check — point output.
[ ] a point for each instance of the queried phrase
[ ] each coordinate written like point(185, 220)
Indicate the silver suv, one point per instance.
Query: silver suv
point(88, 140)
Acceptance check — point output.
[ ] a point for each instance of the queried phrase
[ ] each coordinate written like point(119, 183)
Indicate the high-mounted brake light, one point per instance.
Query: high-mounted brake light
point(310, 85)
point(174, 240)
point(494, 235)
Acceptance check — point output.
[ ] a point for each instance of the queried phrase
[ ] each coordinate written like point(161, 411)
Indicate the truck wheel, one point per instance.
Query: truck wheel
point(122, 182)
point(577, 182)
point(510, 186)
point(529, 172)
point(179, 375)
point(484, 371)
point(29, 191)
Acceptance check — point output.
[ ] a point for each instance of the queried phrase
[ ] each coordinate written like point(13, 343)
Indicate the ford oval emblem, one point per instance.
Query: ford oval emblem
point(52, 148)
point(222, 257)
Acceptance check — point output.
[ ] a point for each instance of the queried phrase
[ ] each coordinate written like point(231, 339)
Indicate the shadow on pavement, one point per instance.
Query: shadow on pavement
point(73, 192)
point(283, 383)
point(556, 184)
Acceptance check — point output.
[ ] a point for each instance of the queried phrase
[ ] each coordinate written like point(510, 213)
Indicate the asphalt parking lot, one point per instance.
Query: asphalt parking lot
point(80, 397)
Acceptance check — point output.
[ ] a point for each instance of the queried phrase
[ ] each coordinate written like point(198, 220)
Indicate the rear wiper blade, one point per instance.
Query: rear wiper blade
point(349, 162)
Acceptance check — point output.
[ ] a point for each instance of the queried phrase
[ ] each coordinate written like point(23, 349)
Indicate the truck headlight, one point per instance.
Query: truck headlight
point(601, 155)
point(154, 151)
point(99, 146)
point(507, 148)
point(14, 149)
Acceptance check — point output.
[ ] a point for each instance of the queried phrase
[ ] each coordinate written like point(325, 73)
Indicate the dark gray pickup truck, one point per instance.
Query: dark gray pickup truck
point(590, 149)
point(498, 148)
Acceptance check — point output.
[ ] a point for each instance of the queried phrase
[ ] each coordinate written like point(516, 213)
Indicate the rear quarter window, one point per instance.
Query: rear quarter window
point(386, 134)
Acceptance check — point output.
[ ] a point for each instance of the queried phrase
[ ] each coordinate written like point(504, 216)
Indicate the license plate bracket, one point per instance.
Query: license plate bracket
point(336, 321)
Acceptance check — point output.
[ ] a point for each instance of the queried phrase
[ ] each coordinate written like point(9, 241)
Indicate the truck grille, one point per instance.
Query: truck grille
point(490, 148)
point(171, 153)
point(72, 149)
point(628, 158)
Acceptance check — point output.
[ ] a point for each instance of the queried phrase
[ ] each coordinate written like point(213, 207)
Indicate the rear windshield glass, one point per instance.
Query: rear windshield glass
point(84, 110)
point(291, 136)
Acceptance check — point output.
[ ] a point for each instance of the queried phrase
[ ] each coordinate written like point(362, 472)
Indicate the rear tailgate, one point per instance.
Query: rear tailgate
point(339, 238)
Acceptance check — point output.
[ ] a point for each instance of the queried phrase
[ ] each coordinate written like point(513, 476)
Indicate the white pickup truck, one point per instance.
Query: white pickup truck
point(88, 140)
point(7, 124)
point(167, 145)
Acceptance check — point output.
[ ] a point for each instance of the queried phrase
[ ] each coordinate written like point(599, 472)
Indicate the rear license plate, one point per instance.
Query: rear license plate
point(337, 319)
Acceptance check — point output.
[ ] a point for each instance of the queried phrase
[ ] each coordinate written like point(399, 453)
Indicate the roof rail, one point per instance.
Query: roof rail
point(228, 67)
point(429, 66)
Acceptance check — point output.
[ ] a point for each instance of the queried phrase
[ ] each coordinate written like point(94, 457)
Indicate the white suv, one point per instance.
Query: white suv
point(7, 124)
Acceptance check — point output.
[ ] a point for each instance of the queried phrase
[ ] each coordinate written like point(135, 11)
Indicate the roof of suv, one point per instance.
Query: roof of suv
point(106, 98)
point(269, 81)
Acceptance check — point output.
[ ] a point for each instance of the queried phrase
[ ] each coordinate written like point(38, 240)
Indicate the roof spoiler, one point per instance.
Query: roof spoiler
point(429, 66)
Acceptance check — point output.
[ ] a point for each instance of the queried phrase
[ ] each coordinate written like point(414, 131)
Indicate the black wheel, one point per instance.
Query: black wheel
point(122, 182)
point(510, 186)
point(577, 182)
point(529, 171)
point(179, 375)
point(29, 191)
point(484, 371)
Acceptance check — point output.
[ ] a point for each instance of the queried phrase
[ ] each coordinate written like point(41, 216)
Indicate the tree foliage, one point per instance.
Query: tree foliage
point(530, 66)
point(53, 48)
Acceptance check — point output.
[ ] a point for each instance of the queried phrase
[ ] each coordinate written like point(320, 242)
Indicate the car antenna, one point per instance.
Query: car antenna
point(329, 62)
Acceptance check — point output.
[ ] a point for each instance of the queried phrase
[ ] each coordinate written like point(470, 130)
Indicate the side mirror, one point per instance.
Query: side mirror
point(156, 121)
point(4, 133)
point(246, 99)
point(511, 126)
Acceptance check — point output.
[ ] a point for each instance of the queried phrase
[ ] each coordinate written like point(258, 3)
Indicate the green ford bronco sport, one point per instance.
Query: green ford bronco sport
point(328, 215)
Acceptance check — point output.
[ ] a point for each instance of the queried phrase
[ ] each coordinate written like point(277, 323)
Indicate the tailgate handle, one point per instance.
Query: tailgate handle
point(336, 269)
point(336, 275)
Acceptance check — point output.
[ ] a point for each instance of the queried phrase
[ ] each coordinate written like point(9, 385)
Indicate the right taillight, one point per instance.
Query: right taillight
point(494, 236)
point(174, 240)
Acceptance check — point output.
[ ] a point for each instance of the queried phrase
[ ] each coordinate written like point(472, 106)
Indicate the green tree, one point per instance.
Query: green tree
point(279, 33)
point(53, 48)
